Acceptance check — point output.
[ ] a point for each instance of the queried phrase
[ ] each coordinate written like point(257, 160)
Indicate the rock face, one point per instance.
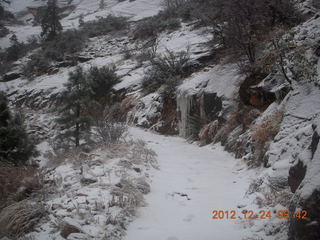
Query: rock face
point(205, 97)
point(308, 228)
point(296, 175)
point(10, 76)
point(314, 143)
point(197, 110)
point(308, 194)
point(210, 105)
point(68, 229)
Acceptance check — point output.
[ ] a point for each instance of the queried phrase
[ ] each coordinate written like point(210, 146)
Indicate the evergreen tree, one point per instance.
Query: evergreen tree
point(75, 119)
point(4, 1)
point(81, 21)
point(50, 23)
point(101, 80)
point(101, 4)
point(15, 145)
point(15, 50)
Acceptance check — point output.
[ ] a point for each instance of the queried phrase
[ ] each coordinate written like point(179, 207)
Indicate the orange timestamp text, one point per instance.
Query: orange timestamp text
point(262, 214)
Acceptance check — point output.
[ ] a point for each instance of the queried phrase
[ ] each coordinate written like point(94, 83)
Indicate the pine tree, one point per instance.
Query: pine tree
point(101, 4)
point(15, 50)
point(2, 2)
point(50, 23)
point(81, 21)
point(74, 118)
point(15, 145)
point(14, 39)
point(101, 81)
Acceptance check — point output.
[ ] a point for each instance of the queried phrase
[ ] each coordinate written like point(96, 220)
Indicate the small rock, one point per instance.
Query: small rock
point(10, 76)
point(55, 206)
point(68, 229)
point(88, 181)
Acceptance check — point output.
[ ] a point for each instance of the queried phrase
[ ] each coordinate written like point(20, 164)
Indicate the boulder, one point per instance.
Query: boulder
point(68, 229)
point(10, 76)
point(83, 59)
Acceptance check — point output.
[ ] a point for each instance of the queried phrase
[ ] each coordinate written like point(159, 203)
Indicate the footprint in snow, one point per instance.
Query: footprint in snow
point(189, 218)
point(172, 238)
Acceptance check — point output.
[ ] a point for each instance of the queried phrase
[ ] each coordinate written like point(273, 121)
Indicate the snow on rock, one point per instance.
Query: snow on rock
point(96, 193)
point(221, 80)
point(290, 172)
point(134, 10)
point(147, 111)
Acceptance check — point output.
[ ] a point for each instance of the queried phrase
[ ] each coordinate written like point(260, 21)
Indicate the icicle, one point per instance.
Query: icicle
point(184, 103)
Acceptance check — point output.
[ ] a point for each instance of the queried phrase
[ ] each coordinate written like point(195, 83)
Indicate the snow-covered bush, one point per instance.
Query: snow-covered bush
point(153, 26)
point(262, 134)
point(168, 69)
point(36, 66)
point(110, 127)
point(16, 51)
point(111, 132)
point(66, 44)
point(63, 47)
point(294, 62)
point(102, 26)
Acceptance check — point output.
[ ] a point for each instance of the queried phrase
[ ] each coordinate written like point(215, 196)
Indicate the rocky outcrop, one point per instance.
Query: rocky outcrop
point(314, 143)
point(195, 111)
point(296, 175)
point(307, 228)
point(307, 197)
point(10, 76)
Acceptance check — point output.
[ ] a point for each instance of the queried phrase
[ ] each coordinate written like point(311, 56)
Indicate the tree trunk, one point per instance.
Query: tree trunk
point(77, 131)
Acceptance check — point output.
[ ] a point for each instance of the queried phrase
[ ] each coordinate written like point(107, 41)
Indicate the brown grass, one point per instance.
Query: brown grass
point(19, 218)
point(18, 183)
point(262, 134)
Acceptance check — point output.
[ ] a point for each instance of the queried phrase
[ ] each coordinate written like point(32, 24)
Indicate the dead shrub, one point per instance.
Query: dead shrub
point(126, 195)
point(151, 27)
point(262, 134)
point(243, 116)
point(18, 183)
point(19, 218)
point(110, 126)
point(140, 153)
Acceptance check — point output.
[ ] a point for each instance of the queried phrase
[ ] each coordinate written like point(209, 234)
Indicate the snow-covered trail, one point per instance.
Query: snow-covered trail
point(191, 183)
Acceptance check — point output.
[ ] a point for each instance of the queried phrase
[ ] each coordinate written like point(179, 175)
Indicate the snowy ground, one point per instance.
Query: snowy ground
point(191, 183)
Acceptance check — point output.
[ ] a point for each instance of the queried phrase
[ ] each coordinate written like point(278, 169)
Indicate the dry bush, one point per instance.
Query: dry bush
point(18, 183)
point(243, 116)
point(140, 153)
point(19, 218)
point(168, 69)
point(272, 198)
point(110, 126)
point(262, 134)
point(151, 27)
point(126, 195)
